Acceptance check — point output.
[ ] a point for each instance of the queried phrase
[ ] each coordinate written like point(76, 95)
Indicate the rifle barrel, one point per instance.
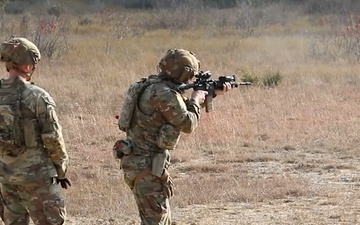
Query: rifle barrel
point(245, 83)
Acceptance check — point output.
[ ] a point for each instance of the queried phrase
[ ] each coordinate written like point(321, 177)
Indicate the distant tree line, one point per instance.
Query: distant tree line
point(311, 6)
point(315, 5)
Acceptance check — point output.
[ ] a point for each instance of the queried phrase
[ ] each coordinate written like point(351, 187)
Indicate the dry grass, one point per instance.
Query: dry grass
point(260, 145)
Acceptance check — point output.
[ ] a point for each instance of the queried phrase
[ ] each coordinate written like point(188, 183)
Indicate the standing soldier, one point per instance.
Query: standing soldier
point(153, 115)
point(31, 142)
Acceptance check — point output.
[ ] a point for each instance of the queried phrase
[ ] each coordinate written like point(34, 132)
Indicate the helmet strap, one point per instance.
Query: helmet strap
point(26, 74)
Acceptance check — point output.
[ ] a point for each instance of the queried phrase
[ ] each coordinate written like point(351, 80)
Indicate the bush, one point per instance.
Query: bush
point(249, 76)
point(85, 21)
point(51, 36)
point(341, 39)
point(272, 79)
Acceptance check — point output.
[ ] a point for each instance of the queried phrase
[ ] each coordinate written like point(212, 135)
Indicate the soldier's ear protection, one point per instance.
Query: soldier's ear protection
point(191, 69)
point(179, 64)
point(187, 75)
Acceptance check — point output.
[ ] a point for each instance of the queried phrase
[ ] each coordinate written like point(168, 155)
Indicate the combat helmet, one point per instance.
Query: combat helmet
point(179, 64)
point(19, 51)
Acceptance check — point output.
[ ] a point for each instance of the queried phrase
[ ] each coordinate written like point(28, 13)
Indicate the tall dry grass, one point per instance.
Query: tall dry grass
point(314, 109)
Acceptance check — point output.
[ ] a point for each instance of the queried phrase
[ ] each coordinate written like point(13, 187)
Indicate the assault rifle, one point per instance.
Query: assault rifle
point(203, 82)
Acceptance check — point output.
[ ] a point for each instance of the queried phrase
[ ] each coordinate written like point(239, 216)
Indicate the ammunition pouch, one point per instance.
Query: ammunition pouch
point(159, 168)
point(159, 162)
point(30, 134)
point(18, 132)
point(27, 136)
point(122, 148)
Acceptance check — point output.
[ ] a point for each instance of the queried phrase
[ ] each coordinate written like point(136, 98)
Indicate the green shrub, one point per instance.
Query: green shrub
point(272, 79)
point(249, 76)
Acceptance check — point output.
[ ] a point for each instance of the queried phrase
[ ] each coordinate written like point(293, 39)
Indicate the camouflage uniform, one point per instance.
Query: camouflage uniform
point(32, 145)
point(159, 116)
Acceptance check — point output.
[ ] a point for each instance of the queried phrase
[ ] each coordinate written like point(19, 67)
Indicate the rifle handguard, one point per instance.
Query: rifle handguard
point(203, 82)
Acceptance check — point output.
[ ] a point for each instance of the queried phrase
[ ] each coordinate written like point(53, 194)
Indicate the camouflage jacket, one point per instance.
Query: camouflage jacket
point(38, 150)
point(159, 104)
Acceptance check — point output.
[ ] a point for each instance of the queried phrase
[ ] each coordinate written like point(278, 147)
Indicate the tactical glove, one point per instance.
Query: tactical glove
point(64, 182)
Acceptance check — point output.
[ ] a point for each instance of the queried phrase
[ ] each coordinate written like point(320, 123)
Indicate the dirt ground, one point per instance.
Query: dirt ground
point(333, 176)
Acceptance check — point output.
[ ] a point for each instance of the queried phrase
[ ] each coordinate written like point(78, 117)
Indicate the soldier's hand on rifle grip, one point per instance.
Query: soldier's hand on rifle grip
point(199, 96)
point(226, 87)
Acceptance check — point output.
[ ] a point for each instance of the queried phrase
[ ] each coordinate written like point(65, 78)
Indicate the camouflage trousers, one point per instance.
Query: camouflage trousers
point(153, 206)
point(42, 201)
